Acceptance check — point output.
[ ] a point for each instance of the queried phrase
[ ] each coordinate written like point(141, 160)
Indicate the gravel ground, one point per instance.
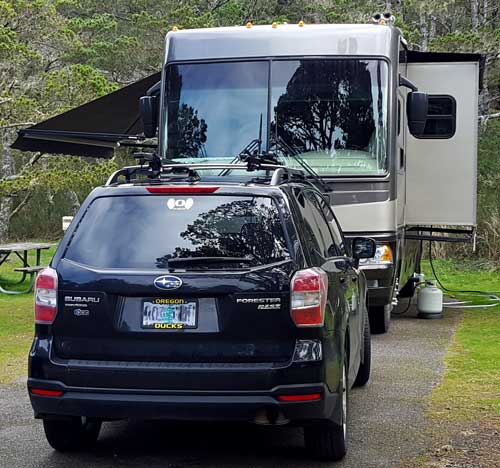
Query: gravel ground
point(387, 423)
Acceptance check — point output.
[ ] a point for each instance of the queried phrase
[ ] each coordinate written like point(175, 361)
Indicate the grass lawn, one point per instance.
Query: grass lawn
point(464, 409)
point(471, 384)
point(16, 321)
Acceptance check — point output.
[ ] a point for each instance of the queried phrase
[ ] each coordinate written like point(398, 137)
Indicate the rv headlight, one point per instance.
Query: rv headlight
point(383, 256)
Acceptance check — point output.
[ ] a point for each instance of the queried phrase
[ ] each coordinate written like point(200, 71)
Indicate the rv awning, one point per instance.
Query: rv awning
point(93, 129)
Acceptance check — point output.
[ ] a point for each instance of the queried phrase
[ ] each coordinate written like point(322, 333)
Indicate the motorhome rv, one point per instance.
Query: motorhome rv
point(392, 132)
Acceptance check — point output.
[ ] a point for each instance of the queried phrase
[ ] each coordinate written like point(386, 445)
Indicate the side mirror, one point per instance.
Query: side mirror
point(149, 113)
point(363, 247)
point(416, 109)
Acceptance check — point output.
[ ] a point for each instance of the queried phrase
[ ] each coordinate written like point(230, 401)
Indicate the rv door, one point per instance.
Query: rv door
point(441, 164)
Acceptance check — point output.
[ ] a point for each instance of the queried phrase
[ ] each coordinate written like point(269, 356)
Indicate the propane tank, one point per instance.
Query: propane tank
point(430, 301)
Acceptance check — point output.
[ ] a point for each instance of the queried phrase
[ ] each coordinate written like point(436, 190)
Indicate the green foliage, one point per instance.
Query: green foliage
point(60, 175)
point(73, 85)
point(57, 54)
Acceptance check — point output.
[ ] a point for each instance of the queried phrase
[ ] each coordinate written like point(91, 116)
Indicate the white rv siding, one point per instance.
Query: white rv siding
point(441, 173)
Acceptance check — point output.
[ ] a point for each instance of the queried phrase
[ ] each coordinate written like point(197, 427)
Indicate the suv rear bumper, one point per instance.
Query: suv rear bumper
point(193, 406)
point(122, 390)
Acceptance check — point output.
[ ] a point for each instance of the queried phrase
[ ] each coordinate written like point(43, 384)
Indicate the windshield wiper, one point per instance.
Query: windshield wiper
point(253, 148)
point(292, 152)
point(173, 261)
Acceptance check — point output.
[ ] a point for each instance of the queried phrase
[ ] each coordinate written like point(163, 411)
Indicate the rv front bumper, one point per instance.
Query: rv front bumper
point(379, 279)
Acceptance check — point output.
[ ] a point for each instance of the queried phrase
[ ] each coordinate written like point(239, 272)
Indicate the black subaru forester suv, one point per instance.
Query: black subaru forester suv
point(205, 301)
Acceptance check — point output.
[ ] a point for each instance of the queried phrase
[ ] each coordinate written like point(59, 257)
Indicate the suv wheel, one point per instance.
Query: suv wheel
point(73, 434)
point(380, 318)
point(328, 440)
point(365, 366)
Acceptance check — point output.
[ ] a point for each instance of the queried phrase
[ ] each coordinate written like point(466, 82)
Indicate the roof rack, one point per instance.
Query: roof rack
point(155, 171)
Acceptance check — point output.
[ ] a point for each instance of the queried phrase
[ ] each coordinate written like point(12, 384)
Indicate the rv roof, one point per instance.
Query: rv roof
point(283, 40)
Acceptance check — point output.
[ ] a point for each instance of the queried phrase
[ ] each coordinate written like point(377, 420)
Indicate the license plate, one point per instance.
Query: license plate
point(169, 314)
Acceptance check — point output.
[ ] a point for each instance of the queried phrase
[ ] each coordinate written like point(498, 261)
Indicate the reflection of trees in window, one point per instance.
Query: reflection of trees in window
point(327, 104)
point(241, 228)
point(187, 132)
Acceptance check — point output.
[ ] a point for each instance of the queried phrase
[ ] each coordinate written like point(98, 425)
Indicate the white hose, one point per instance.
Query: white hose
point(461, 304)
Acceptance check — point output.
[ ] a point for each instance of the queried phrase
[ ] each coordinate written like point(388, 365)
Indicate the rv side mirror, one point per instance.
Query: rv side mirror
point(363, 247)
point(416, 107)
point(149, 114)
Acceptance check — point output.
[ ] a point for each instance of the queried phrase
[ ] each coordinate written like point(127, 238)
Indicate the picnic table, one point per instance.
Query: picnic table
point(21, 250)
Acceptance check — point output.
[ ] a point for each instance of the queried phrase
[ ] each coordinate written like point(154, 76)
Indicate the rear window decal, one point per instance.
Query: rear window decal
point(180, 203)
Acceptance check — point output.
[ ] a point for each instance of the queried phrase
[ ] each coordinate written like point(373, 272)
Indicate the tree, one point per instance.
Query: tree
point(327, 104)
point(241, 228)
point(55, 54)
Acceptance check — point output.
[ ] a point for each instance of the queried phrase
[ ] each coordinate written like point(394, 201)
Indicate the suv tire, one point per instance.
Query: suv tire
point(380, 319)
point(327, 440)
point(365, 366)
point(66, 435)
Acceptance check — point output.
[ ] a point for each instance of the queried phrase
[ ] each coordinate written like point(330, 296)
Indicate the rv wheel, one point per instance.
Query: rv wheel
point(380, 319)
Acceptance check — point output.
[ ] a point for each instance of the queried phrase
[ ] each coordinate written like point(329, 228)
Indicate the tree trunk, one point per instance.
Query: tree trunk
point(474, 14)
point(75, 203)
point(424, 32)
point(432, 32)
point(484, 13)
point(484, 96)
point(6, 170)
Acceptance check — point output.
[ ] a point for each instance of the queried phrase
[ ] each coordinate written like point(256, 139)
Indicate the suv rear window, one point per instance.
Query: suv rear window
point(179, 232)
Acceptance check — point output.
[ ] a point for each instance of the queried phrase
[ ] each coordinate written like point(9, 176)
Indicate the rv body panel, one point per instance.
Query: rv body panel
point(362, 217)
point(411, 192)
point(441, 172)
point(283, 41)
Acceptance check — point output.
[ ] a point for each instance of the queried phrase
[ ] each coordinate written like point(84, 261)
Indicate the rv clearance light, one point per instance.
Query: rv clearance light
point(180, 189)
point(249, 24)
point(383, 256)
point(274, 25)
point(308, 397)
point(301, 24)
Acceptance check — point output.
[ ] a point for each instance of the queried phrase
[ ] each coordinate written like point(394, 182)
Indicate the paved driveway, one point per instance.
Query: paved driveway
point(386, 417)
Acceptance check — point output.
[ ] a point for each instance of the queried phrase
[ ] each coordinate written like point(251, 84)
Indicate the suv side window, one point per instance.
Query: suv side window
point(323, 232)
point(333, 224)
point(309, 231)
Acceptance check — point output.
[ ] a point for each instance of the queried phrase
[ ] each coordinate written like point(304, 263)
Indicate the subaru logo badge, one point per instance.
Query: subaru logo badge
point(168, 282)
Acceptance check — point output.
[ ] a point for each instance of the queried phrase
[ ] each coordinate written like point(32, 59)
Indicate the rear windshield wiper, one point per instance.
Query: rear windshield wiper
point(174, 261)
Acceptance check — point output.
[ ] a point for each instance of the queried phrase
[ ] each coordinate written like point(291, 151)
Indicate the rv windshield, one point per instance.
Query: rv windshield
point(214, 110)
point(330, 112)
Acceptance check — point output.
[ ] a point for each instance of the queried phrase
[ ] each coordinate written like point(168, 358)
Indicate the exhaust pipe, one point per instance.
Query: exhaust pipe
point(270, 417)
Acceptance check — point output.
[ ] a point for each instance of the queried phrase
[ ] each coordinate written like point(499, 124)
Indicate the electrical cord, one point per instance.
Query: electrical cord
point(444, 288)
point(404, 311)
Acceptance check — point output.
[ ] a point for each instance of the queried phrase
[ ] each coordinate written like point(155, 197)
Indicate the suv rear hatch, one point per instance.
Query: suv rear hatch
point(177, 278)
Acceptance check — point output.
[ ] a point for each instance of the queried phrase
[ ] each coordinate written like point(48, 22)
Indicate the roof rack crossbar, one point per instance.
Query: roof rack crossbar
point(188, 172)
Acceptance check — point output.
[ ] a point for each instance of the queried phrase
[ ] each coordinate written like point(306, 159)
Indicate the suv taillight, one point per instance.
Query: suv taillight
point(309, 290)
point(46, 296)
